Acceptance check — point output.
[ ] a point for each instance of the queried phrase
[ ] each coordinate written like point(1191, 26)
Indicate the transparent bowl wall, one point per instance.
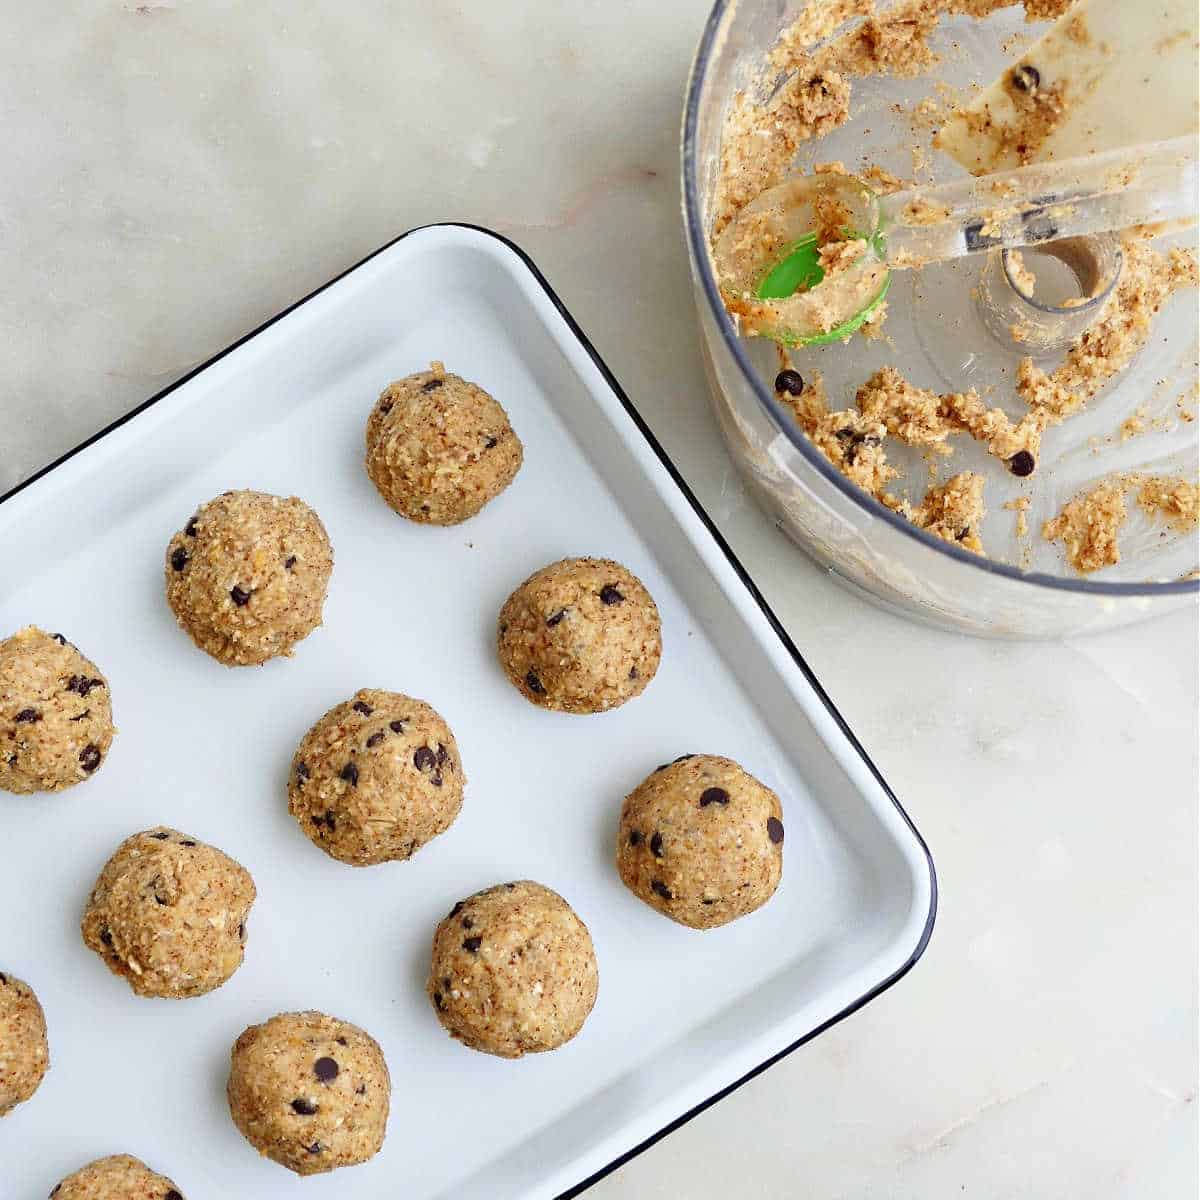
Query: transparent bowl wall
point(869, 548)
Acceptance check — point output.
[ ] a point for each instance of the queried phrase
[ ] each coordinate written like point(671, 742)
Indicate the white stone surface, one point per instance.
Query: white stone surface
point(176, 172)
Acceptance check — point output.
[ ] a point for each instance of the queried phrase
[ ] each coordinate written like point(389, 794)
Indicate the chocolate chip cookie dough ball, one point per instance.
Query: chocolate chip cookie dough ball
point(247, 576)
point(121, 1177)
point(169, 913)
point(439, 448)
point(580, 636)
point(55, 713)
point(701, 840)
point(513, 971)
point(24, 1053)
point(376, 778)
point(310, 1092)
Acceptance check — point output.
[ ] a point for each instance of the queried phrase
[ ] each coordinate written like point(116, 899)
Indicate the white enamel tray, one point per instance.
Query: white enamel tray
point(681, 1018)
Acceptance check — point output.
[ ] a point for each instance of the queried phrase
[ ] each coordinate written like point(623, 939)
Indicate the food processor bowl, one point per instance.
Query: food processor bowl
point(865, 545)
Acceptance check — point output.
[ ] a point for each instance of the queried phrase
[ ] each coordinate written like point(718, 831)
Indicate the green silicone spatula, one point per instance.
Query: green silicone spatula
point(771, 252)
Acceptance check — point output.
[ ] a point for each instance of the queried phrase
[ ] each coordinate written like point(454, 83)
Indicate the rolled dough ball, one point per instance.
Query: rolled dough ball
point(513, 971)
point(24, 1052)
point(701, 840)
point(247, 576)
point(55, 713)
point(310, 1092)
point(376, 778)
point(169, 913)
point(580, 636)
point(121, 1177)
point(439, 448)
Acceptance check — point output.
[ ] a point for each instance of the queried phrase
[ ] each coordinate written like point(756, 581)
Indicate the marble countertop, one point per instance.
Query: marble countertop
point(176, 172)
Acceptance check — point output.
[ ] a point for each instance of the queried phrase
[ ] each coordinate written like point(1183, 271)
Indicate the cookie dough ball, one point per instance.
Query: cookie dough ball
point(376, 778)
point(168, 913)
point(55, 713)
point(439, 448)
point(310, 1092)
point(701, 840)
point(580, 636)
point(121, 1177)
point(247, 576)
point(24, 1052)
point(513, 971)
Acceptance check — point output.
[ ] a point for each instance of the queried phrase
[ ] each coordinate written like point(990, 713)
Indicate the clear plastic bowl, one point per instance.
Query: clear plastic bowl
point(869, 548)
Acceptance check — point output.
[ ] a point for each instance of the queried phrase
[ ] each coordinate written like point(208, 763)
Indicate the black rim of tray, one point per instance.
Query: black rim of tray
point(734, 562)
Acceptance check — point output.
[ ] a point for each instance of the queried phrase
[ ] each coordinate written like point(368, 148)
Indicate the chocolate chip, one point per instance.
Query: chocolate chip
point(186, 842)
point(289, 562)
point(491, 443)
point(179, 558)
point(240, 597)
point(89, 758)
point(160, 836)
point(1026, 78)
point(789, 381)
point(330, 821)
point(81, 684)
point(302, 771)
point(446, 982)
point(610, 595)
point(27, 716)
point(350, 774)
point(325, 1069)
point(503, 628)
point(468, 923)
point(375, 738)
point(437, 780)
point(635, 837)
point(58, 637)
point(510, 887)
point(315, 1148)
point(431, 385)
point(304, 1106)
point(555, 618)
point(458, 907)
point(173, 1194)
point(106, 937)
point(775, 829)
point(437, 1000)
point(656, 845)
point(424, 759)
point(706, 901)
point(3, 979)
point(633, 673)
point(683, 758)
point(534, 684)
point(396, 726)
point(661, 888)
point(472, 944)
point(361, 707)
point(713, 795)
point(361, 1090)
point(1022, 463)
point(385, 407)
point(242, 932)
point(442, 755)
point(190, 528)
point(963, 534)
